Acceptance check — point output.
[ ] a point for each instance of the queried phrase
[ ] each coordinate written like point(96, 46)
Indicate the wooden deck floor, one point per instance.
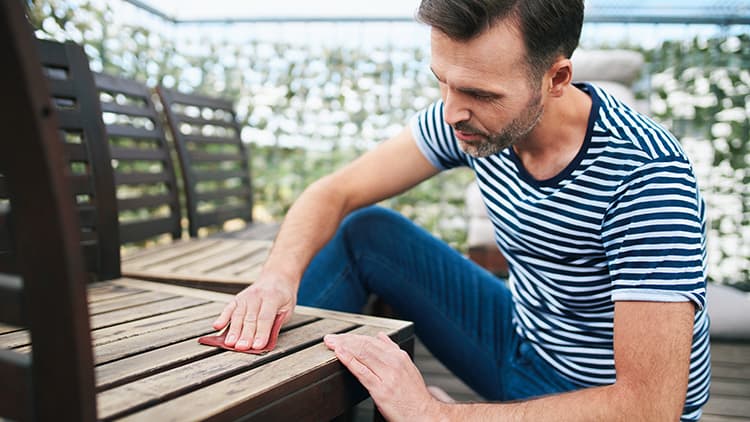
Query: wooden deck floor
point(730, 383)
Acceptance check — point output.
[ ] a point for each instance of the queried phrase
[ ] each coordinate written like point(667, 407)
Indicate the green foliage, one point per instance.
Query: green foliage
point(309, 110)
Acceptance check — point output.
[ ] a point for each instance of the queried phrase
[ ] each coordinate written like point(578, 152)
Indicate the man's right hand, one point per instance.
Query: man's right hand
point(252, 312)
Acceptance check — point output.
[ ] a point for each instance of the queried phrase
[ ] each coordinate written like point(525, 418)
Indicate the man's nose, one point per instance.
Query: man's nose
point(455, 109)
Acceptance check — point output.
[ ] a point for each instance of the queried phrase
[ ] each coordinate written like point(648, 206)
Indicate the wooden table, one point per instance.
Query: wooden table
point(150, 367)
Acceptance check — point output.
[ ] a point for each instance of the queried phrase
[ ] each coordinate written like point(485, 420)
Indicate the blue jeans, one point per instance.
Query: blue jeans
point(462, 313)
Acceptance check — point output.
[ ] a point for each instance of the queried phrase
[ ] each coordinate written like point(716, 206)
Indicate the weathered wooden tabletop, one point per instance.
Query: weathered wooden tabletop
point(149, 365)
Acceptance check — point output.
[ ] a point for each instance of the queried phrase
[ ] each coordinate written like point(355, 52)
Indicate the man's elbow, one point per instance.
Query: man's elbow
point(648, 403)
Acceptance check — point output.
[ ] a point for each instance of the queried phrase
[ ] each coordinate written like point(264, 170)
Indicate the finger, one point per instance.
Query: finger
point(360, 370)
point(365, 349)
point(223, 318)
point(249, 322)
point(235, 325)
point(266, 318)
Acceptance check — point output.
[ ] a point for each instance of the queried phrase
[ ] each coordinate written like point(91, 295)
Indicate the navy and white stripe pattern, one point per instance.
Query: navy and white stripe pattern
point(624, 221)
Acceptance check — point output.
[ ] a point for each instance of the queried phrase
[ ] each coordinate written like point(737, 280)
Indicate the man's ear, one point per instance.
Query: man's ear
point(560, 75)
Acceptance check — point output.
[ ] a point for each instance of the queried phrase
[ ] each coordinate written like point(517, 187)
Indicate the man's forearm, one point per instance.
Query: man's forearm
point(607, 403)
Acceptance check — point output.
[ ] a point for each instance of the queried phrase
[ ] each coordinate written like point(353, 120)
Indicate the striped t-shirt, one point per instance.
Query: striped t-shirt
point(623, 221)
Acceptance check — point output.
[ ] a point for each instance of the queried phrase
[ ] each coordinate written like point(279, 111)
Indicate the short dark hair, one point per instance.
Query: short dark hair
point(549, 28)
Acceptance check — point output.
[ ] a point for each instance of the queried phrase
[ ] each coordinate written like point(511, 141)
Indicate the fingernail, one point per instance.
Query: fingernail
point(241, 344)
point(257, 344)
point(330, 338)
point(231, 339)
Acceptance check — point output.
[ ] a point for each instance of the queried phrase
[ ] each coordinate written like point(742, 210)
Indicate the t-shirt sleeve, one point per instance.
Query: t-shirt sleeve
point(436, 139)
point(654, 235)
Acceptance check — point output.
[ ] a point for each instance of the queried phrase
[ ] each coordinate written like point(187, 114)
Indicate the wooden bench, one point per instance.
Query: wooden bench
point(149, 204)
point(124, 348)
point(215, 164)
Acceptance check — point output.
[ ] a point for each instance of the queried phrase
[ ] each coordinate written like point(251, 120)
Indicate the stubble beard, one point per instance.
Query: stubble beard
point(493, 143)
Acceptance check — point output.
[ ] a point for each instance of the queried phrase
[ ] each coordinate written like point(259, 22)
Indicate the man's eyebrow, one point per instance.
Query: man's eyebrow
point(435, 74)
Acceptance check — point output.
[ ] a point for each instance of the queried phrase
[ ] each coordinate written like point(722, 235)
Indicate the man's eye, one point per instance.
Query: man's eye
point(483, 97)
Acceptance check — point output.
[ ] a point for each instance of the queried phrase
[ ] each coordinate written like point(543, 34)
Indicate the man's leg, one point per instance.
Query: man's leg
point(461, 312)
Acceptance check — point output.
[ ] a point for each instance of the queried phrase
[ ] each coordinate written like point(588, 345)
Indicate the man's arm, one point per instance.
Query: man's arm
point(391, 168)
point(652, 359)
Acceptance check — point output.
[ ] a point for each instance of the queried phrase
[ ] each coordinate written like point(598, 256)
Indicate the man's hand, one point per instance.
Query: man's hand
point(395, 384)
point(251, 313)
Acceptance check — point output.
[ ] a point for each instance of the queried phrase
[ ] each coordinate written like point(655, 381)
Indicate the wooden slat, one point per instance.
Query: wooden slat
point(146, 201)
point(172, 258)
point(62, 88)
point(224, 213)
point(223, 194)
point(146, 310)
point(730, 352)
point(129, 110)
point(113, 326)
point(207, 157)
point(141, 298)
point(142, 257)
point(154, 323)
point(151, 340)
point(198, 100)
point(210, 176)
point(140, 230)
point(727, 387)
point(113, 84)
point(215, 140)
point(127, 131)
point(107, 291)
point(141, 178)
point(199, 121)
point(207, 264)
point(728, 406)
point(164, 358)
point(138, 154)
point(8, 328)
point(730, 371)
point(204, 372)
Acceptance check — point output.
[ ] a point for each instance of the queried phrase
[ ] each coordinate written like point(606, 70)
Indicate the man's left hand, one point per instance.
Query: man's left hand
point(395, 384)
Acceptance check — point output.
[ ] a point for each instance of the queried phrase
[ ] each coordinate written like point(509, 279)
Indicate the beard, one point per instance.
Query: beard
point(492, 143)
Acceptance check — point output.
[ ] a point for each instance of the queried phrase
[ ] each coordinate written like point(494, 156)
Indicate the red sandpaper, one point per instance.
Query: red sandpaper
point(218, 339)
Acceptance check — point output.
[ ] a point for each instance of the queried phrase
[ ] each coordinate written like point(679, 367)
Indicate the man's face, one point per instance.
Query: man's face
point(490, 100)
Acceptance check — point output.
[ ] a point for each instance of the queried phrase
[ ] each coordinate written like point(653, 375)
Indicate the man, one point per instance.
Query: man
point(595, 207)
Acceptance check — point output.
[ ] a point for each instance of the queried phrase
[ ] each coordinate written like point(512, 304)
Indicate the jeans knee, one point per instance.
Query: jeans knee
point(373, 219)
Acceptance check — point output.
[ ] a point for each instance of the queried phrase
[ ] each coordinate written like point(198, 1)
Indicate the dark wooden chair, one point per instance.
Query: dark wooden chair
point(123, 348)
point(147, 192)
point(73, 95)
point(215, 164)
point(149, 204)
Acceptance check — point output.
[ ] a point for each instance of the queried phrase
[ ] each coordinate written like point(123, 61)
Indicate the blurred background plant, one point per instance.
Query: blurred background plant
point(307, 109)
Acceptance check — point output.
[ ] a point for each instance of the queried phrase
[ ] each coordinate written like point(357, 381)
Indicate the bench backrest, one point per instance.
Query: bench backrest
point(56, 382)
point(74, 97)
point(144, 174)
point(214, 161)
